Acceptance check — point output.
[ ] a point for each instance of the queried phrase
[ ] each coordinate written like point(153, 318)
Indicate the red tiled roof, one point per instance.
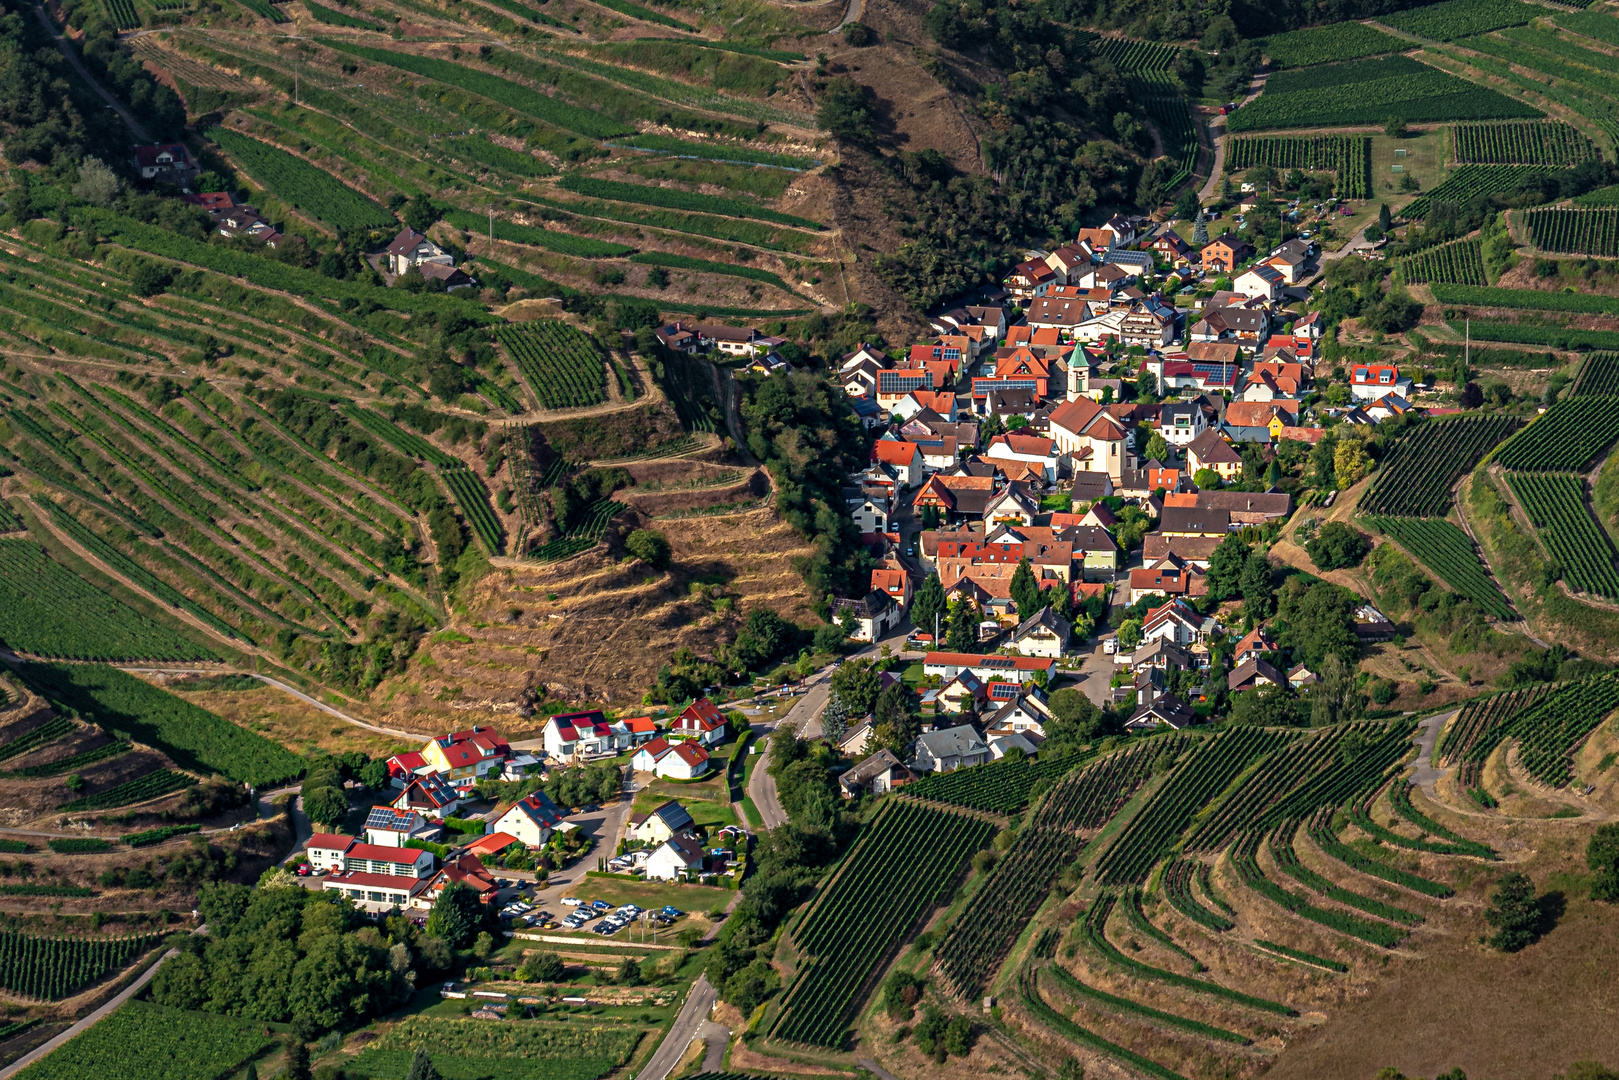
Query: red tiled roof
point(892, 452)
point(488, 845)
point(397, 882)
point(330, 841)
point(382, 853)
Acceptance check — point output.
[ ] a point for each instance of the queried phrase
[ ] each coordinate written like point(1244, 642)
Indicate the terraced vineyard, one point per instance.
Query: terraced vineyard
point(1566, 438)
point(1448, 552)
point(1347, 157)
point(301, 184)
point(1081, 803)
point(50, 969)
point(1135, 56)
point(47, 610)
point(563, 365)
point(1550, 143)
point(1549, 724)
point(1370, 92)
point(1417, 477)
point(1460, 262)
point(899, 868)
point(1599, 376)
point(1555, 506)
point(1575, 232)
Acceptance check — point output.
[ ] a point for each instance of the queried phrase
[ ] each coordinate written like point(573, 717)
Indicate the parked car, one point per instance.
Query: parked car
point(303, 869)
point(570, 901)
point(672, 912)
point(601, 905)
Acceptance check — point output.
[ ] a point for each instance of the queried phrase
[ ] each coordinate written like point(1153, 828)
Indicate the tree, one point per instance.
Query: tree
point(1338, 545)
point(846, 110)
point(829, 638)
point(1207, 479)
point(298, 1060)
point(963, 633)
point(629, 972)
point(857, 684)
point(1472, 396)
point(457, 915)
point(859, 35)
point(650, 547)
point(1200, 231)
point(1129, 633)
point(326, 805)
point(1394, 127)
point(96, 184)
point(1258, 598)
point(421, 1068)
point(1226, 565)
point(834, 719)
point(420, 213)
point(928, 605)
point(1157, 446)
point(1075, 720)
point(1336, 700)
point(1514, 912)
point(1025, 591)
point(895, 718)
point(542, 965)
point(1385, 219)
point(1602, 856)
point(374, 774)
point(1146, 386)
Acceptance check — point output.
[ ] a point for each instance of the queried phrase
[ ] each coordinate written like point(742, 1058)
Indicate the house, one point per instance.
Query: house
point(1255, 643)
point(388, 827)
point(870, 509)
point(1014, 504)
point(1167, 577)
point(1368, 382)
point(1291, 260)
point(1045, 633)
point(1253, 674)
point(677, 760)
point(463, 870)
point(948, 749)
point(675, 859)
point(326, 851)
point(895, 583)
point(1030, 448)
point(1094, 549)
point(429, 795)
point(1301, 677)
point(234, 221)
point(701, 720)
point(580, 735)
point(411, 249)
point(1268, 417)
point(1273, 381)
point(453, 277)
point(677, 337)
point(880, 773)
point(661, 823)
point(167, 163)
point(465, 757)
point(1062, 311)
point(905, 458)
point(374, 892)
point(1179, 423)
point(1372, 625)
point(1193, 521)
point(873, 615)
point(1259, 280)
point(1167, 710)
point(1069, 260)
point(633, 731)
point(858, 372)
point(733, 340)
point(1150, 326)
point(1388, 407)
point(988, 668)
point(1247, 507)
point(1209, 451)
point(1161, 656)
point(1001, 745)
point(892, 386)
point(940, 402)
point(401, 767)
point(964, 693)
point(1179, 622)
point(531, 819)
point(1248, 328)
point(1191, 550)
point(1222, 254)
point(956, 497)
point(1008, 403)
point(1089, 487)
point(1172, 250)
point(1212, 352)
point(1024, 713)
point(1029, 280)
point(856, 739)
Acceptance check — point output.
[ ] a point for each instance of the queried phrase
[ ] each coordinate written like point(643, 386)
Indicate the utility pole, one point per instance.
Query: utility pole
point(491, 226)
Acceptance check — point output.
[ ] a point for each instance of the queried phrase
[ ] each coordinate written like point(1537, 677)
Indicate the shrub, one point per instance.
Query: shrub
point(1337, 546)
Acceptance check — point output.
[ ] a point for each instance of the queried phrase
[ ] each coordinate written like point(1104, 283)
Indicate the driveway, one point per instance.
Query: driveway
point(687, 1026)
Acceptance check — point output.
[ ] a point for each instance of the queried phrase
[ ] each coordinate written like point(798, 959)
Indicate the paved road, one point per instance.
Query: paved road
point(88, 1022)
point(1427, 775)
point(718, 1037)
point(849, 16)
point(77, 64)
point(688, 1024)
point(279, 685)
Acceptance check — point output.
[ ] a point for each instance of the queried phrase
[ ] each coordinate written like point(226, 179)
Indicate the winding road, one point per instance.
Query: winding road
point(688, 1025)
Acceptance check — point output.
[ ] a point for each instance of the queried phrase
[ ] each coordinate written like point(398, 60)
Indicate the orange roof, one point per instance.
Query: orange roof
point(892, 452)
point(488, 845)
point(1075, 415)
point(1106, 430)
point(888, 580)
point(1184, 500)
point(940, 401)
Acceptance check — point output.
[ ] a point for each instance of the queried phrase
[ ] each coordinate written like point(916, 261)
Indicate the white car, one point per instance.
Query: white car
point(570, 901)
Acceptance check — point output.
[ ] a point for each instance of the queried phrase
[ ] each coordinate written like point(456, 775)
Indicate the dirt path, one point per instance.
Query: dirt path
point(136, 128)
point(1217, 136)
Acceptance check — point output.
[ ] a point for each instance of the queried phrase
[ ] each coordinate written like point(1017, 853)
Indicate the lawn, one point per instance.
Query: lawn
point(710, 812)
point(652, 894)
